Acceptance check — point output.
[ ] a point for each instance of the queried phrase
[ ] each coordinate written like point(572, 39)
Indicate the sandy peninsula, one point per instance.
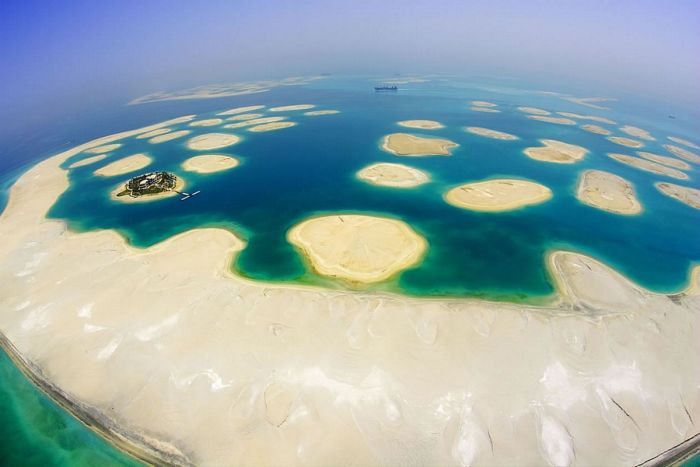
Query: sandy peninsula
point(682, 153)
point(599, 130)
point(210, 141)
point(287, 108)
point(271, 126)
point(114, 194)
point(87, 161)
point(421, 124)
point(490, 133)
point(665, 160)
point(483, 104)
point(534, 111)
point(485, 110)
point(207, 122)
point(316, 113)
point(497, 195)
point(557, 120)
point(593, 118)
point(630, 143)
point(684, 194)
point(240, 110)
point(330, 375)
point(103, 149)
point(242, 117)
point(649, 166)
point(124, 165)
point(208, 163)
point(684, 142)
point(151, 134)
point(403, 144)
point(637, 132)
point(393, 175)
point(255, 121)
point(608, 192)
point(169, 136)
point(556, 151)
point(358, 248)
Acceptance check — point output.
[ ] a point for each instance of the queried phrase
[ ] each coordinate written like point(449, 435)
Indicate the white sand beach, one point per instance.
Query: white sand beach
point(209, 163)
point(497, 195)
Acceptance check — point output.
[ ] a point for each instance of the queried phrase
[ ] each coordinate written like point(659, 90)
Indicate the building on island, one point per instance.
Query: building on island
point(150, 184)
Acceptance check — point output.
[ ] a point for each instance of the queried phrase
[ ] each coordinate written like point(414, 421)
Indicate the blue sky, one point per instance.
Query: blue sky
point(55, 52)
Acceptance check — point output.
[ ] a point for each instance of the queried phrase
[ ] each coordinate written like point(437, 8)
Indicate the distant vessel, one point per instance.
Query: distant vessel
point(386, 87)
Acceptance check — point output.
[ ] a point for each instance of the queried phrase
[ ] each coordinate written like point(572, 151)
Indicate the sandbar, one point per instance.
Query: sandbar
point(208, 163)
point(485, 110)
point(124, 165)
point(599, 130)
point(151, 134)
point(315, 113)
point(682, 153)
point(113, 195)
point(286, 108)
point(557, 120)
point(684, 194)
point(358, 248)
point(648, 166)
point(630, 143)
point(271, 126)
point(684, 142)
point(483, 104)
point(665, 160)
point(497, 195)
point(103, 149)
point(241, 117)
point(534, 111)
point(87, 161)
point(637, 132)
point(594, 118)
point(212, 141)
point(393, 175)
point(421, 124)
point(240, 110)
point(607, 191)
point(556, 151)
point(404, 144)
point(169, 136)
point(255, 121)
point(490, 133)
point(207, 122)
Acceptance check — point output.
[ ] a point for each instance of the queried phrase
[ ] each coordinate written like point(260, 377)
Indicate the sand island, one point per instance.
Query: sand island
point(684, 142)
point(665, 160)
point(124, 165)
point(242, 117)
point(599, 130)
point(483, 104)
point(255, 121)
point(392, 175)
point(207, 122)
point(240, 110)
point(637, 132)
point(682, 153)
point(151, 134)
point(608, 192)
point(684, 194)
point(593, 118)
point(648, 166)
point(148, 187)
point(490, 133)
point(630, 143)
point(287, 108)
point(210, 141)
point(497, 195)
point(208, 163)
point(103, 149)
point(557, 152)
point(169, 136)
point(316, 113)
point(557, 120)
point(485, 110)
point(358, 248)
point(421, 124)
point(534, 111)
point(271, 126)
point(404, 144)
point(87, 161)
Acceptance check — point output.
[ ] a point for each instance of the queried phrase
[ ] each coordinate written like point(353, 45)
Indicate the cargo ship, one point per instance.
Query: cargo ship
point(386, 87)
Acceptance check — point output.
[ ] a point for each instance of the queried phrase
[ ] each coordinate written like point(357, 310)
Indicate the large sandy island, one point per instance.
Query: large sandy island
point(103, 149)
point(649, 166)
point(534, 111)
point(169, 136)
point(87, 161)
point(556, 151)
point(358, 248)
point(271, 126)
point(684, 194)
point(240, 110)
point(210, 141)
point(490, 133)
point(599, 130)
point(665, 160)
point(608, 192)
point(316, 113)
point(593, 118)
point(485, 110)
point(113, 195)
point(403, 144)
point(242, 117)
point(637, 132)
point(684, 142)
point(216, 369)
point(630, 143)
point(287, 108)
point(557, 120)
point(497, 195)
point(151, 134)
point(393, 175)
point(255, 121)
point(208, 163)
point(124, 165)
point(207, 122)
point(421, 124)
point(483, 104)
point(683, 153)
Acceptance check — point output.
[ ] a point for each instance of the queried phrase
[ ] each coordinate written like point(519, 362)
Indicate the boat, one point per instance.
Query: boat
point(386, 87)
